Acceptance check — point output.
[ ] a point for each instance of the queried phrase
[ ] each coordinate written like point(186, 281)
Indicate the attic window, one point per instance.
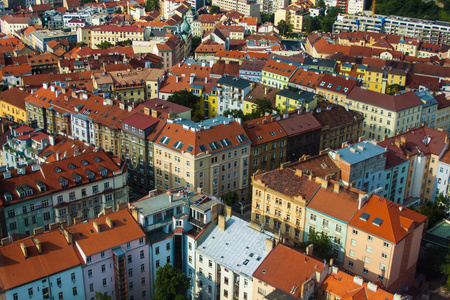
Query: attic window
point(97, 159)
point(364, 216)
point(84, 162)
point(8, 196)
point(272, 133)
point(377, 222)
point(345, 90)
point(71, 166)
point(241, 138)
point(58, 170)
point(259, 137)
point(178, 145)
point(164, 140)
point(202, 148)
point(41, 186)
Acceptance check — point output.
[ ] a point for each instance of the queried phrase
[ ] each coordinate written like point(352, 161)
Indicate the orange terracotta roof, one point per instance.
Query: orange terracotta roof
point(279, 68)
point(397, 220)
point(180, 133)
point(14, 70)
point(343, 286)
point(306, 78)
point(263, 130)
point(242, 54)
point(64, 145)
point(336, 84)
point(56, 256)
point(14, 96)
point(125, 229)
point(286, 268)
point(209, 46)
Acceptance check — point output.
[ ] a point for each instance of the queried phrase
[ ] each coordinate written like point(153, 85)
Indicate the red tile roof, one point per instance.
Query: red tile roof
point(280, 68)
point(397, 220)
point(390, 102)
point(14, 96)
point(336, 84)
point(125, 229)
point(16, 70)
point(263, 130)
point(306, 78)
point(57, 256)
point(286, 269)
point(295, 123)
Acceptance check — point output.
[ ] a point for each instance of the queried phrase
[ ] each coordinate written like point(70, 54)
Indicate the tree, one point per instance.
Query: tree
point(284, 27)
point(3, 87)
point(81, 44)
point(87, 1)
point(184, 98)
point(170, 283)
point(104, 45)
point(235, 113)
point(214, 10)
point(322, 245)
point(230, 198)
point(394, 88)
point(445, 269)
point(269, 17)
point(152, 5)
point(125, 43)
point(263, 106)
point(101, 296)
point(321, 4)
point(430, 262)
point(196, 40)
point(435, 210)
point(326, 22)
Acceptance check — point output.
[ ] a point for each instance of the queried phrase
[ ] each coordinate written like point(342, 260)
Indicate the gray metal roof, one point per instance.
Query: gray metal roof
point(236, 82)
point(239, 247)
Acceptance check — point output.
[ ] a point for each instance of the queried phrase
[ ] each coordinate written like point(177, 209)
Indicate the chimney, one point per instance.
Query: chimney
point(68, 236)
point(222, 223)
point(403, 140)
point(337, 187)
point(109, 222)
point(38, 245)
point(266, 90)
point(38, 230)
point(227, 211)
point(268, 245)
point(96, 226)
point(77, 220)
point(51, 140)
point(154, 113)
point(170, 196)
point(309, 250)
point(331, 262)
point(58, 156)
point(199, 190)
point(6, 241)
point(24, 250)
point(299, 172)
point(107, 210)
point(324, 183)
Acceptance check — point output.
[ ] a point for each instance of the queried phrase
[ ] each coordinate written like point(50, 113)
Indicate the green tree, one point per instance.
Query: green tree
point(104, 45)
point(321, 4)
point(196, 41)
point(235, 113)
point(394, 88)
point(87, 1)
point(263, 106)
point(230, 198)
point(214, 10)
point(326, 23)
point(267, 18)
point(3, 87)
point(430, 262)
point(152, 5)
point(101, 296)
point(170, 284)
point(81, 44)
point(445, 269)
point(118, 10)
point(124, 43)
point(435, 210)
point(284, 27)
point(184, 98)
point(322, 245)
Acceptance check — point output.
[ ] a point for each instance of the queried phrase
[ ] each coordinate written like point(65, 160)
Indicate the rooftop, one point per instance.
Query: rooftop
point(391, 102)
point(246, 246)
point(358, 152)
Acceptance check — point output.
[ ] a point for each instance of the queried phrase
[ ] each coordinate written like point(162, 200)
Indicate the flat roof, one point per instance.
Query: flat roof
point(239, 247)
point(358, 152)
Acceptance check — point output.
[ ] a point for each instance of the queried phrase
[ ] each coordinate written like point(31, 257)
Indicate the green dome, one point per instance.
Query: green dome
point(185, 26)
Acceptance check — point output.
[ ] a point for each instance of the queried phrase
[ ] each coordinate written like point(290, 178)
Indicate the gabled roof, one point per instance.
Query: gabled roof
point(336, 84)
point(280, 68)
point(263, 130)
point(57, 255)
point(294, 123)
point(343, 286)
point(396, 220)
point(286, 268)
point(306, 78)
point(125, 229)
point(390, 102)
point(14, 96)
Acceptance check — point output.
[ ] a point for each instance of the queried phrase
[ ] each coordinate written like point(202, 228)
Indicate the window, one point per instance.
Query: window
point(130, 286)
point(90, 273)
point(143, 281)
point(142, 268)
point(225, 293)
point(72, 276)
point(354, 243)
point(200, 258)
point(91, 287)
point(352, 253)
point(157, 250)
point(370, 238)
point(350, 264)
point(130, 259)
point(312, 217)
point(338, 228)
point(355, 232)
point(365, 271)
point(210, 263)
point(168, 259)
point(103, 268)
point(168, 246)
point(60, 295)
point(382, 266)
point(157, 264)
point(367, 260)
point(74, 291)
point(386, 245)
point(369, 249)
point(30, 292)
point(383, 255)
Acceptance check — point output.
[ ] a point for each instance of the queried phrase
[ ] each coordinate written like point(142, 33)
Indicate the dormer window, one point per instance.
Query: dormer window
point(71, 166)
point(41, 186)
point(8, 196)
point(97, 159)
point(63, 181)
point(84, 162)
point(58, 170)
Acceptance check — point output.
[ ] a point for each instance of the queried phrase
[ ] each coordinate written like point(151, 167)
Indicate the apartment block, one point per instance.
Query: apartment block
point(231, 92)
point(442, 175)
point(329, 211)
point(335, 88)
point(362, 165)
point(293, 14)
point(383, 242)
point(249, 8)
point(421, 149)
point(379, 78)
point(114, 34)
point(216, 277)
point(212, 155)
point(175, 222)
point(279, 201)
point(115, 256)
point(44, 265)
point(277, 73)
point(288, 273)
point(291, 99)
point(385, 114)
point(269, 144)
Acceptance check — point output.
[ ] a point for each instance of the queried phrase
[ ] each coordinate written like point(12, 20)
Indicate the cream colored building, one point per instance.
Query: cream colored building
point(249, 8)
point(293, 14)
point(114, 34)
point(385, 115)
point(213, 155)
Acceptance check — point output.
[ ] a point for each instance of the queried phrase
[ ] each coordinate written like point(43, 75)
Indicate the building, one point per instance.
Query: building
point(421, 148)
point(12, 105)
point(174, 223)
point(277, 73)
point(279, 201)
point(229, 274)
point(293, 14)
point(232, 92)
point(249, 8)
point(329, 211)
point(45, 264)
point(429, 108)
point(379, 79)
point(115, 256)
point(269, 144)
point(212, 155)
point(339, 125)
point(291, 99)
point(385, 114)
point(114, 34)
point(40, 38)
point(12, 74)
point(335, 88)
point(10, 24)
point(339, 284)
point(287, 273)
point(383, 242)
point(260, 91)
point(362, 165)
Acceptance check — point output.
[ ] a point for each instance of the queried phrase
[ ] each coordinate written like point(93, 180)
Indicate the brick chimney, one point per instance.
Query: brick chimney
point(24, 250)
point(38, 245)
point(96, 226)
point(109, 222)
